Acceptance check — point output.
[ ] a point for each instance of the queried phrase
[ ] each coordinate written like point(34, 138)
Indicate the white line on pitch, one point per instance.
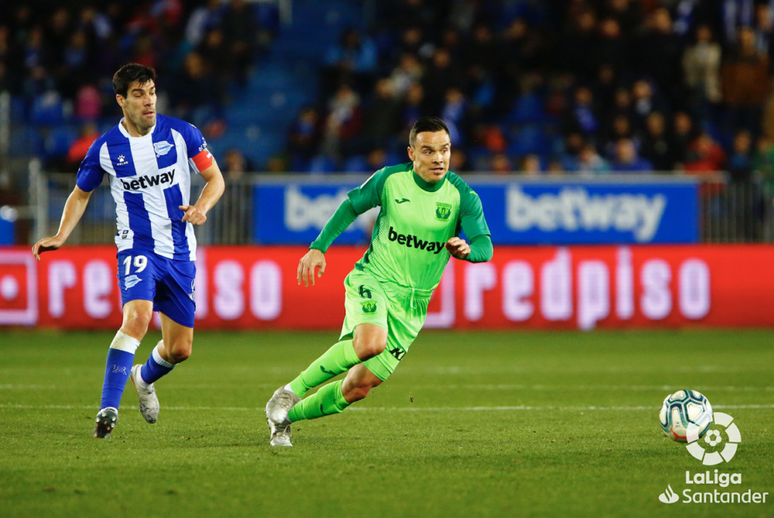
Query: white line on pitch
point(402, 409)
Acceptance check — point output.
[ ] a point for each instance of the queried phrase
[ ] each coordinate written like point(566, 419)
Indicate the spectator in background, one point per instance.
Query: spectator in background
point(500, 164)
point(626, 159)
point(236, 164)
point(458, 162)
point(658, 53)
point(590, 162)
point(621, 128)
point(305, 135)
point(531, 165)
point(381, 118)
point(764, 30)
point(763, 159)
point(684, 134)
point(342, 123)
point(454, 114)
point(579, 48)
point(573, 145)
point(239, 31)
point(645, 102)
point(78, 149)
point(747, 199)
point(217, 60)
point(628, 13)
point(581, 116)
point(412, 109)
point(701, 64)
point(407, 73)
point(745, 81)
point(353, 60)
point(194, 94)
point(705, 155)
point(613, 48)
point(483, 51)
point(202, 20)
point(657, 146)
point(439, 76)
point(740, 162)
point(88, 102)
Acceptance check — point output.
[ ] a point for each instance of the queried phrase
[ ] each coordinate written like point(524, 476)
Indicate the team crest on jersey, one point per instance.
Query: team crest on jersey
point(122, 160)
point(369, 307)
point(442, 211)
point(192, 295)
point(162, 148)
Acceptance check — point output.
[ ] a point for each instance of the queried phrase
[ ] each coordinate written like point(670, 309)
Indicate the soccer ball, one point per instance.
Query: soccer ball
point(683, 409)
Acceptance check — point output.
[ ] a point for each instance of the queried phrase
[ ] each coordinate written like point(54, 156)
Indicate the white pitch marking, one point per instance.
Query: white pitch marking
point(402, 409)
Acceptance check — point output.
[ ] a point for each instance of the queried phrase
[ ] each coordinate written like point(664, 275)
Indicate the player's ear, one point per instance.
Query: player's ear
point(410, 153)
point(120, 100)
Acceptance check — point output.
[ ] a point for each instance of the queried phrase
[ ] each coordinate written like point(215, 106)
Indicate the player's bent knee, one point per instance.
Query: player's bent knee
point(136, 323)
point(180, 352)
point(367, 349)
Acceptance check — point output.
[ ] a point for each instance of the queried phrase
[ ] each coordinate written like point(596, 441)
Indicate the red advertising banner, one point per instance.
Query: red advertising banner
point(582, 287)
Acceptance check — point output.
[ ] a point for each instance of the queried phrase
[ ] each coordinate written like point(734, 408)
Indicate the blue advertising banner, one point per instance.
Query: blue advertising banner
point(591, 213)
point(294, 213)
point(550, 212)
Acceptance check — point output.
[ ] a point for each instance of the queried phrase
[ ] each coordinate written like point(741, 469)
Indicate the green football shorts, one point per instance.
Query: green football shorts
point(401, 311)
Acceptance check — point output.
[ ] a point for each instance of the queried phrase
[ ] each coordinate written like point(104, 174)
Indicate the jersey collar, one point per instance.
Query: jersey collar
point(428, 186)
point(126, 134)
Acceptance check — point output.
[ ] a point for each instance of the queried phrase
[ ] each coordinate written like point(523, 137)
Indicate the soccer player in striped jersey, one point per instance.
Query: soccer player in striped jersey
point(149, 159)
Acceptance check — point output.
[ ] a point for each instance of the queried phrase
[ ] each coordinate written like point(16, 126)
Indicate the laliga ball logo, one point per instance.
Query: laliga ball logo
point(714, 438)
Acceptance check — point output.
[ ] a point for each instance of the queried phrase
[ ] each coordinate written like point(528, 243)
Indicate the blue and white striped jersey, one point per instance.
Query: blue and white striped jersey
point(150, 177)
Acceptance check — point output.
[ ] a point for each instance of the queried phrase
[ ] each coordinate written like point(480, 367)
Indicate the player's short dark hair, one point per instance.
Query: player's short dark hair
point(130, 73)
point(426, 124)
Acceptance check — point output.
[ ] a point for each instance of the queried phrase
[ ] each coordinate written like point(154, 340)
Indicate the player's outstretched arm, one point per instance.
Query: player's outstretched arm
point(71, 215)
point(312, 259)
point(197, 214)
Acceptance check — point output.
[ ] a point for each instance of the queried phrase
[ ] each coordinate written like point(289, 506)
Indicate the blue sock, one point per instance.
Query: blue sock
point(117, 369)
point(155, 367)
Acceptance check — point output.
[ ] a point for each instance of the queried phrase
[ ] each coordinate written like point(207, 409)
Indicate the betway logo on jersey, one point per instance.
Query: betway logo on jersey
point(143, 182)
point(412, 241)
point(573, 209)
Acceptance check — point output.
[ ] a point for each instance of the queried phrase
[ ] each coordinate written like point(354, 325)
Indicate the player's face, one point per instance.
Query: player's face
point(139, 107)
point(430, 154)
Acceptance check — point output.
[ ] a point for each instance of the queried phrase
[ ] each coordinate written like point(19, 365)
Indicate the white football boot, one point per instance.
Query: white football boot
point(149, 402)
point(277, 416)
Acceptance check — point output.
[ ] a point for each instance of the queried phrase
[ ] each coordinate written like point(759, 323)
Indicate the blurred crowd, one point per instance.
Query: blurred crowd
point(532, 86)
point(58, 58)
point(577, 86)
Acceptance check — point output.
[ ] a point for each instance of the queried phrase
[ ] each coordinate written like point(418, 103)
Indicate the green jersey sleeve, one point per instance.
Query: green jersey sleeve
point(341, 219)
point(481, 249)
point(471, 211)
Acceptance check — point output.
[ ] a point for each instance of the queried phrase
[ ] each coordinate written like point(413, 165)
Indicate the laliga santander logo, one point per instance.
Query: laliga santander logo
point(713, 438)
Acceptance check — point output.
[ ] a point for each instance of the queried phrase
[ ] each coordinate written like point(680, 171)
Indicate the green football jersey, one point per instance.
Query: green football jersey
point(416, 220)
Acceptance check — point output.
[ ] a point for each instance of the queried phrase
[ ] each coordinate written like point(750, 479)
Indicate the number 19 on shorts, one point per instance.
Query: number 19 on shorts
point(140, 262)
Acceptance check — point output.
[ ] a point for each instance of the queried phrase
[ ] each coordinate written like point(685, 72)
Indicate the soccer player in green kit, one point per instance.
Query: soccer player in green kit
point(423, 209)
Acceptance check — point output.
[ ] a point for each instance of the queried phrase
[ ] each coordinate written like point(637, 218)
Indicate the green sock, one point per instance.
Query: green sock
point(336, 360)
point(328, 400)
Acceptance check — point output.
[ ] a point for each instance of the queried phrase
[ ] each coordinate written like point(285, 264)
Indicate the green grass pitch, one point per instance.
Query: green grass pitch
point(470, 425)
